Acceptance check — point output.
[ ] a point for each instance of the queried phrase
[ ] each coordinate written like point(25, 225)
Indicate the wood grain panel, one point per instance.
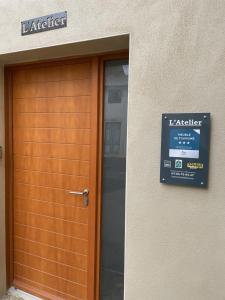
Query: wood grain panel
point(46, 194)
point(71, 229)
point(52, 239)
point(53, 282)
point(67, 182)
point(52, 120)
point(56, 73)
point(45, 135)
point(41, 290)
point(70, 152)
point(60, 166)
point(61, 105)
point(52, 89)
point(52, 153)
point(49, 267)
point(51, 253)
point(65, 212)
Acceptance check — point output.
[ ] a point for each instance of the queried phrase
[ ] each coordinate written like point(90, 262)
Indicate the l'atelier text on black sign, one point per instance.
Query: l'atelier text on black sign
point(45, 23)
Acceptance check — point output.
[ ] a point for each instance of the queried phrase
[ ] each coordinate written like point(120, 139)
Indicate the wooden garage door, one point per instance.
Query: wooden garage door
point(54, 152)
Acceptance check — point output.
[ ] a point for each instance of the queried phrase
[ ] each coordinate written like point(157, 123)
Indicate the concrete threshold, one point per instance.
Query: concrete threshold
point(16, 294)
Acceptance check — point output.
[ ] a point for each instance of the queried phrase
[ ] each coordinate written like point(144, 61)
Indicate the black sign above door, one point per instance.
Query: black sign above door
point(185, 149)
point(45, 23)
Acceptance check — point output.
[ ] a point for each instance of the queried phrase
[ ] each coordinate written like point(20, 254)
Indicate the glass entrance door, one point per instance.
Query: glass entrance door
point(114, 180)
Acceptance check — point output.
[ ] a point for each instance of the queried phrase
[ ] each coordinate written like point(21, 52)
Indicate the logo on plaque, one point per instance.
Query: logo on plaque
point(178, 164)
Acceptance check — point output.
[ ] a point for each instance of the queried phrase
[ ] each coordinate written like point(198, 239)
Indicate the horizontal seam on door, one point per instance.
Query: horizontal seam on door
point(47, 81)
point(50, 173)
point(46, 216)
point(41, 186)
point(47, 97)
point(52, 261)
point(51, 158)
point(38, 228)
point(43, 244)
point(55, 204)
point(67, 280)
point(58, 113)
point(52, 143)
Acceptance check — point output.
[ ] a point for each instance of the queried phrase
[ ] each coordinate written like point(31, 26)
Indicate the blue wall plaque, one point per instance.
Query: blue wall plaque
point(185, 149)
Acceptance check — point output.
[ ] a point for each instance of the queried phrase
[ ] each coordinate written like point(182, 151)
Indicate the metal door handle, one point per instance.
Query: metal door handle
point(85, 194)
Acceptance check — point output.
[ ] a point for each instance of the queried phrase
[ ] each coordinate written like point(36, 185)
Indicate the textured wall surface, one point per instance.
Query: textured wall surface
point(175, 236)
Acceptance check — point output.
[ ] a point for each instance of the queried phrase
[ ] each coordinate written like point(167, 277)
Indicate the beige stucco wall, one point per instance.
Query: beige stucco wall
point(175, 236)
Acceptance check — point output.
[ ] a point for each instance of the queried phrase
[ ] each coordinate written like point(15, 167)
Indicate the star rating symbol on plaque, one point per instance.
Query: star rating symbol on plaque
point(184, 143)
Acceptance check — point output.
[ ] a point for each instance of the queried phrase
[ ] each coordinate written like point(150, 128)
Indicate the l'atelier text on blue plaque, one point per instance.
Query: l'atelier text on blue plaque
point(45, 23)
point(185, 149)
